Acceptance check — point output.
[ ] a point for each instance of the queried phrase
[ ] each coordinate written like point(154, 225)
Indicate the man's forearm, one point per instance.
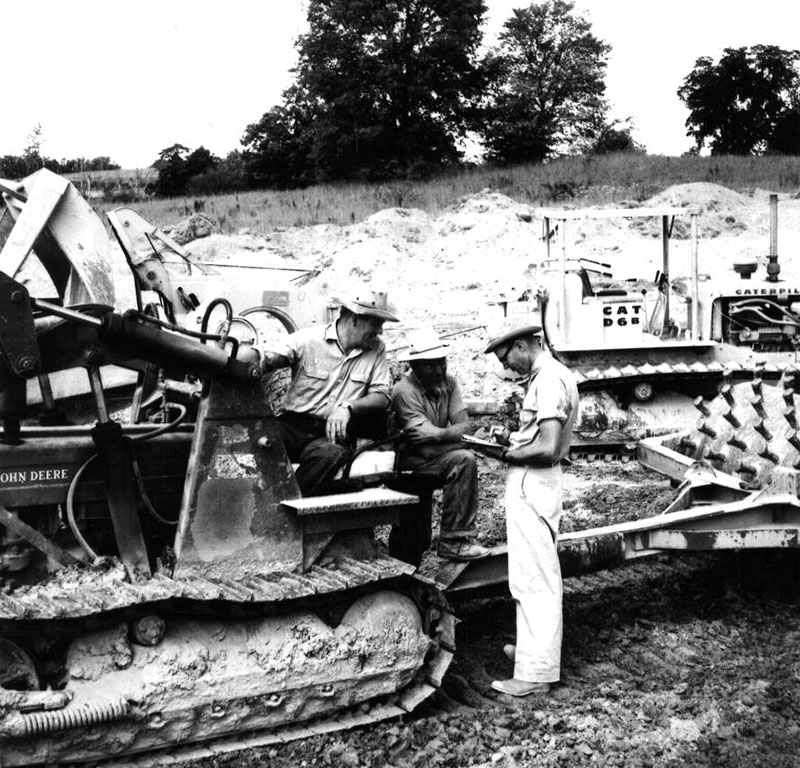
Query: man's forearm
point(454, 432)
point(534, 455)
point(374, 401)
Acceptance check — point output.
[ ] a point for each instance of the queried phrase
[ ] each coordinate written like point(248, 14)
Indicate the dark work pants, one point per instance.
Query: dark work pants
point(456, 473)
point(304, 438)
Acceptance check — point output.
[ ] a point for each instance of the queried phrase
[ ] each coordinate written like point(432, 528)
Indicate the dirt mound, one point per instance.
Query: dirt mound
point(463, 213)
point(474, 250)
point(442, 270)
point(403, 224)
point(699, 194)
point(720, 209)
point(196, 226)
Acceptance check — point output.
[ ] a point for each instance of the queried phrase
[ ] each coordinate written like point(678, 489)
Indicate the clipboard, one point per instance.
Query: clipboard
point(486, 447)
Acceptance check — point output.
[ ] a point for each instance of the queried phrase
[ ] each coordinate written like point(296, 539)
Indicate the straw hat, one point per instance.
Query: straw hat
point(370, 303)
point(510, 330)
point(424, 344)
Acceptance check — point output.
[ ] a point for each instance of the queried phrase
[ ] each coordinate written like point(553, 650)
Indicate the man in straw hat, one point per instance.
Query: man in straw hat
point(340, 387)
point(428, 406)
point(533, 504)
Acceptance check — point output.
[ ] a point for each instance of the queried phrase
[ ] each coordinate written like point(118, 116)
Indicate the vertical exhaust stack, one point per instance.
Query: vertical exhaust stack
point(773, 268)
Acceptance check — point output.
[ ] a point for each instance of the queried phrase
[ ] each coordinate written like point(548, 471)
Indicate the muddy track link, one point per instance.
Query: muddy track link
point(82, 593)
point(280, 656)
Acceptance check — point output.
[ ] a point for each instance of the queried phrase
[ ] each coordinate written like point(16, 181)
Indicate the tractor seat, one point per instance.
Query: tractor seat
point(611, 292)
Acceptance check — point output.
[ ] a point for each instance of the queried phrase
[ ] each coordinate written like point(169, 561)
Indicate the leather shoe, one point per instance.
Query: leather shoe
point(510, 651)
point(462, 551)
point(519, 688)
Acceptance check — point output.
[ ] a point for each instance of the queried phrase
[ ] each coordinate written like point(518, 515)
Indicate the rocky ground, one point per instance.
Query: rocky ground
point(674, 661)
point(679, 661)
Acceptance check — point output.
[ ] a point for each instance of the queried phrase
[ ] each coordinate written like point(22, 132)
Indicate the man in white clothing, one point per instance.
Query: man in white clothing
point(533, 504)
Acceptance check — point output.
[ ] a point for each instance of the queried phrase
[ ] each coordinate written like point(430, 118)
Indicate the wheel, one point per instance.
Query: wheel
point(17, 672)
point(271, 323)
point(643, 392)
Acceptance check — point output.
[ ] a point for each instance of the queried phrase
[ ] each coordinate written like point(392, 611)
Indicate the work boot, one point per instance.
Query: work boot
point(519, 688)
point(462, 551)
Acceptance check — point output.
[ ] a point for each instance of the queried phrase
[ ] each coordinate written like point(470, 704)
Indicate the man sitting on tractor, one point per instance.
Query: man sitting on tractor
point(339, 389)
point(428, 407)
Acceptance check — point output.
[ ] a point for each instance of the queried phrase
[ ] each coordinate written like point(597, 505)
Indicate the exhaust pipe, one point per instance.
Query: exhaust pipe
point(773, 268)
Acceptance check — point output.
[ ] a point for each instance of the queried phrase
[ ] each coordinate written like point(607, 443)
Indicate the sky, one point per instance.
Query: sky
point(128, 80)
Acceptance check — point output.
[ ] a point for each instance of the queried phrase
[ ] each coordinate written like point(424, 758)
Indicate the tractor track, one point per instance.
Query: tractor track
point(671, 660)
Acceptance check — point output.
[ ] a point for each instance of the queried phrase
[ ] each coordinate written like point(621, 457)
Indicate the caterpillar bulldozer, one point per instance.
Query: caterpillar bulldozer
point(162, 582)
point(642, 349)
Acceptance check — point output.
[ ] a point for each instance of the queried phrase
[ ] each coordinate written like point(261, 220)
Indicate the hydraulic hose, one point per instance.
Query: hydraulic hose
point(70, 503)
point(73, 525)
point(223, 337)
point(284, 318)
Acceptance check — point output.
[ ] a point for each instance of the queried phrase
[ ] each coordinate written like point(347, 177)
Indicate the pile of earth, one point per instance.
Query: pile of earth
point(445, 270)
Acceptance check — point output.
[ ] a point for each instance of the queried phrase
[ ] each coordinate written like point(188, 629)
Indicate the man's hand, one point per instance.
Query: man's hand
point(271, 361)
point(425, 433)
point(336, 425)
point(499, 434)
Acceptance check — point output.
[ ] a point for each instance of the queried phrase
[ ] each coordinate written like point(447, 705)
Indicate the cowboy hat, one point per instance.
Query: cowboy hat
point(371, 303)
point(511, 330)
point(423, 344)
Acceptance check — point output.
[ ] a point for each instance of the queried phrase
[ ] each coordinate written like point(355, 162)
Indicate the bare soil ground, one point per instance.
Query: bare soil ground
point(671, 661)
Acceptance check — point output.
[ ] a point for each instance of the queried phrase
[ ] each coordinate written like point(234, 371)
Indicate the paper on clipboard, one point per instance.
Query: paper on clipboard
point(486, 447)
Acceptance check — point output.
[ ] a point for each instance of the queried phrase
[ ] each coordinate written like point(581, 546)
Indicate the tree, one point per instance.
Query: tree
point(33, 147)
point(615, 137)
point(546, 93)
point(226, 175)
point(744, 103)
point(785, 139)
point(278, 147)
point(171, 166)
point(15, 167)
point(199, 161)
point(383, 89)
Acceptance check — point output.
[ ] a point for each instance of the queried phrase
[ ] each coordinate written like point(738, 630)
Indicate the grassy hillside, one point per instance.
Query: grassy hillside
point(579, 180)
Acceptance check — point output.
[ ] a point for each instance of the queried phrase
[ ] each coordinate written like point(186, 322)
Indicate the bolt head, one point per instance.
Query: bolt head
point(92, 356)
point(28, 365)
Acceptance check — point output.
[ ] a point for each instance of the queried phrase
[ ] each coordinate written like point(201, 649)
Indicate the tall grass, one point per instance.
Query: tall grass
point(595, 180)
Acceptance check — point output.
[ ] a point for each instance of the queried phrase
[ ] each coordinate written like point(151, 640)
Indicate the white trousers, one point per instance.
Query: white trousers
point(533, 510)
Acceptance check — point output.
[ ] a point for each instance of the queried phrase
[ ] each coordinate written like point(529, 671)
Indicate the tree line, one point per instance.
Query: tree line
point(19, 166)
point(388, 89)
